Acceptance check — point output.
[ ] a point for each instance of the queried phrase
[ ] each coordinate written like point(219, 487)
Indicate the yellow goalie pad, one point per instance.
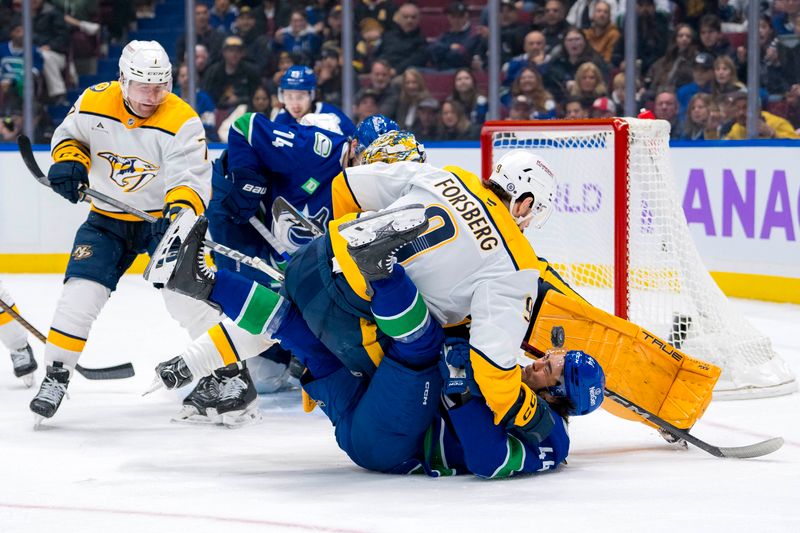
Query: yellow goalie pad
point(638, 365)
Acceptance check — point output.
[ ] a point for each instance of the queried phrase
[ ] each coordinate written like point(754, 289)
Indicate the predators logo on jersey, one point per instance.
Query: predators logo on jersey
point(131, 173)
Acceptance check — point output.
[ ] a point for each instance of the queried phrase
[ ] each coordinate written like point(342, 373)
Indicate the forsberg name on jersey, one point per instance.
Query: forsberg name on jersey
point(470, 212)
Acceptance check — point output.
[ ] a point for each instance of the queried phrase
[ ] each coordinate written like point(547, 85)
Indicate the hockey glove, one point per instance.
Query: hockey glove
point(159, 227)
point(456, 370)
point(67, 177)
point(247, 190)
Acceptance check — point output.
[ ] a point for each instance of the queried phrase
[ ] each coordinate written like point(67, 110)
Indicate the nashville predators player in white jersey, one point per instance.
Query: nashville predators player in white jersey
point(134, 141)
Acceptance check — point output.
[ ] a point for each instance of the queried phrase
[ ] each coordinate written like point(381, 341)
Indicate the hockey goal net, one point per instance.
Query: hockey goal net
point(619, 237)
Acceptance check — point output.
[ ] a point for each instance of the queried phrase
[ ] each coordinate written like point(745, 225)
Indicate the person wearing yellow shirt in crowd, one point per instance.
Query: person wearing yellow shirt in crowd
point(769, 127)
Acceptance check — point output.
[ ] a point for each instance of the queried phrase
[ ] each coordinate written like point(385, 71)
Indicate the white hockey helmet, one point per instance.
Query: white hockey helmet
point(145, 72)
point(519, 172)
point(325, 121)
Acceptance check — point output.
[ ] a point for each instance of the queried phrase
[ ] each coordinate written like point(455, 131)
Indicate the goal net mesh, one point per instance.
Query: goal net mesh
point(669, 291)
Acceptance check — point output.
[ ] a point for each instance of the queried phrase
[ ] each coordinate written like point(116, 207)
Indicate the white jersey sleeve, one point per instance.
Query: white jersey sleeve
point(186, 165)
point(376, 186)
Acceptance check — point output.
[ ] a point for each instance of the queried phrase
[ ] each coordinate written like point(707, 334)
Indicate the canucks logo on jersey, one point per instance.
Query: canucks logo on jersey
point(131, 173)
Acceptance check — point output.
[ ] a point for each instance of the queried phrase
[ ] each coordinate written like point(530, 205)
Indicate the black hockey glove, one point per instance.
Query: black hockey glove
point(159, 227)
point(67, 177)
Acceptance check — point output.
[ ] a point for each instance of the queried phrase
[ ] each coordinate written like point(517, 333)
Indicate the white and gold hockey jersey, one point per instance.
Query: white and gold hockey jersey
point(473, 261)
point(144, 162)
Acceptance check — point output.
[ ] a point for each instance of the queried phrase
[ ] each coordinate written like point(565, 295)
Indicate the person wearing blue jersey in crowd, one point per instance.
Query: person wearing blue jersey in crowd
point(266, 161)
point(296, 92)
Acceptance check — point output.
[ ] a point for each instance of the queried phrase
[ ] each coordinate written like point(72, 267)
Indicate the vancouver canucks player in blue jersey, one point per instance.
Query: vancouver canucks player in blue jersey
point(265, 161)
point(296, 92)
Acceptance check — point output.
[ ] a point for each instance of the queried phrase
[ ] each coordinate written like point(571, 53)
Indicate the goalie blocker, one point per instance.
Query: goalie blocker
point(638, 365)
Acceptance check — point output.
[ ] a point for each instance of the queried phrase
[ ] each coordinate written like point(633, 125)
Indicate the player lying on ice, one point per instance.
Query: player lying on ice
point(266, 162)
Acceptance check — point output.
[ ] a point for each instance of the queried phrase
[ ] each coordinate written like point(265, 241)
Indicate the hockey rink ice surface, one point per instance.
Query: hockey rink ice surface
point(111, 460)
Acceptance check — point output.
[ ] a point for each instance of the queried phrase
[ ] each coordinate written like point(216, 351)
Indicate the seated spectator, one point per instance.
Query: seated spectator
point(84, 41)
point(404, 45)
point(232, 81)
point(271, 15)
point(261, 102)
point(331, 31)
point(666, 108)
point(329, 76)
point(204, 34)
point(652, 36)
point(413, 91)
point(298, 38)
point(201, 61)
point(589, 83)
point(618, 93)
point(602, 35)
point(366, 51)
point(576, 51)
point(674, 68)
point(702, 79)
point(204, 105)
point(11, 127)
point(725, 79)
point(12, 68)
point(791, 107)
point(604, 107)
point(366, 105)
point(789, 54)
point(712, 40)
point(700, 123)
point(581, 14)
point(427, 125)
point(555, 25)
point(51, 35)
point(381, 10)
point(773, 78)
point(534, 56)
point(731, 16)
point(256, 44)
point(576, 108)
point(512, 31)
point(465, 91)
point(458, 46)
point(455, 125)
point(380, 83)
point(785, 21)
point(222, 16)
point(530, 85)
point(285, 62)
point(521, 108)
point(769, 126)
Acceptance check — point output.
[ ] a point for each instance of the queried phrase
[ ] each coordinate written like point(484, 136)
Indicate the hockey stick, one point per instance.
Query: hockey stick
point(112, 372)
point(282, 204)
point(740, 452)
point(26, 151)
point(269, 237)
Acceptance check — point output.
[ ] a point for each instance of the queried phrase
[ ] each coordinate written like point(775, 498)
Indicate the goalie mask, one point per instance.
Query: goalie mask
point(145, 75)
point(393, 147)
point(520, 172)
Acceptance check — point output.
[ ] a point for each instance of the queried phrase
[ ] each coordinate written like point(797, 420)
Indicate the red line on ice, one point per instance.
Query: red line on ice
point(227, 519)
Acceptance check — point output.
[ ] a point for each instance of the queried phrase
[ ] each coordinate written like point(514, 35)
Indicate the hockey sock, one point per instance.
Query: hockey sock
point(401, 313)
point(250, 305)
point(195, 316)
point(297, 337)
point(12, 335)
point(80, 303)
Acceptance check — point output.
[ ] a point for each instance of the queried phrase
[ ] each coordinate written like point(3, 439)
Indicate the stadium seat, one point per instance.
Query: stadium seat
point(440, 84)
point(433, 25)
point(737, 39)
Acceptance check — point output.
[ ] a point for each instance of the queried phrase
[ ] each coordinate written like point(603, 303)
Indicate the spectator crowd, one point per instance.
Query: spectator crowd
point(424, 63)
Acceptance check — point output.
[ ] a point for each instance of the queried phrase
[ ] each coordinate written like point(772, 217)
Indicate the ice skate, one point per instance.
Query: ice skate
point(372, 240)
point(53, 389)
point(200, 406)
point(238, 399)
point(24, 364)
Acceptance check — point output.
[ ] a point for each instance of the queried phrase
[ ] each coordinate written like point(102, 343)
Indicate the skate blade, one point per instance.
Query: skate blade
point(28, 380)
point(239, 419)
point(37, 422)
point(190, 415)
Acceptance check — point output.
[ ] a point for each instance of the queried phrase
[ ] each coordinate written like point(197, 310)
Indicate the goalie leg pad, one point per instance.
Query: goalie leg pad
point(639, 365)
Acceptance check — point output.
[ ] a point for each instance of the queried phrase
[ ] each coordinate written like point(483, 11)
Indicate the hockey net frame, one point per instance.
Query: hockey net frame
point(635, 151)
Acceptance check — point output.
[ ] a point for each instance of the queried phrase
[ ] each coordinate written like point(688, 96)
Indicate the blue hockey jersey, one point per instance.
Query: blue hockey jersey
point(348, 128)
point(297, 162)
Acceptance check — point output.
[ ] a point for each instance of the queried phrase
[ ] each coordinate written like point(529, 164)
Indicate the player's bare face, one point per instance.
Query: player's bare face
point(297, 103)
point(144, 98)
point(545, 372)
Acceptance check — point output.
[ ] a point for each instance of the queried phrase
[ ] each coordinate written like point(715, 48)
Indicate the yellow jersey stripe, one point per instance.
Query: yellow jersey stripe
point(124, 216)
point(500, 387)
point(344, 201)
point(222, 342)
point(369, 339)
point(186, 196)
point(5, 318)
point(72, 150)
point(65, 341)
point(346, 263)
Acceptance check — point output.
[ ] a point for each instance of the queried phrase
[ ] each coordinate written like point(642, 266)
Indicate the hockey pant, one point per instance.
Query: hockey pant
point(104, 249)
point(12, 334)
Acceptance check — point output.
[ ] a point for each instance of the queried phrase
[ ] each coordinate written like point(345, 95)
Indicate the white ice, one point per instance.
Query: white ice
point(110, 460)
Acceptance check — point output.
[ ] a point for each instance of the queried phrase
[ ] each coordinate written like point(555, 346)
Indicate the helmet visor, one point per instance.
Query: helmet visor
point(148, 93)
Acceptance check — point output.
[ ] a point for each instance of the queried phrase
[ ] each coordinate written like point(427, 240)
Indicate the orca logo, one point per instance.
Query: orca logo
point(131, 173)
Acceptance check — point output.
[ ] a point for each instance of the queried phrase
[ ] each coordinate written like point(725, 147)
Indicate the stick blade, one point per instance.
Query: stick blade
point(122, 371)
point(26, 151)
point(753, 450)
